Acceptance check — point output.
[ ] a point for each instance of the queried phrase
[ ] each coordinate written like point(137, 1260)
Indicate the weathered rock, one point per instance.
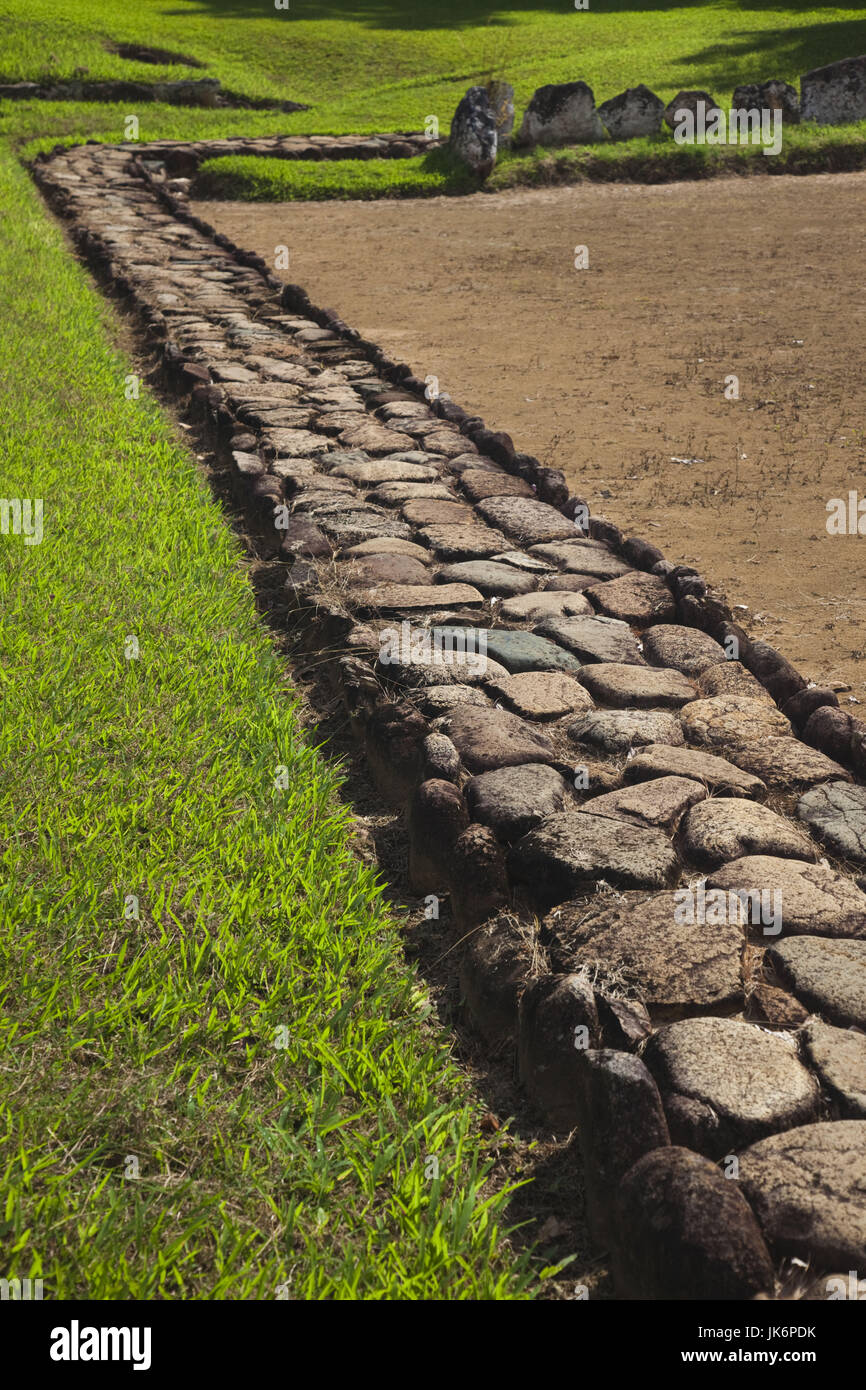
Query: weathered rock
point(723, 829)
point(493, 974)
point(437, 816)
point(625, 1023)
point(786, 764)
point(384, 569)
point(838, 1056)
point(660, 803)
point(479, 483)
point(617, 731)
point(742, 1083)
point(586, 558)
point(512, 800)
point(637, 687)
point(395, 597)
point(305, 538)
point(637, 111)
point(561, 114)
point(689, 101)
point(350, 528)
point(473, 136)
point(373, 438)
point(479, 882)
point(807, 1190)
point(492, 738)
point(394, 747)
point(441, 759)
point(684, 649)
point(836, 813)
point(557, 1021)
point(472, 542)
point(437, 700)
point(838, 735)
point(385, 471)
point(767, 1004)
point(721, 776)
point(620, 1118)
point(634, 598)
point(387, 545)
point(423, 513)
point(674, 966)
point(594, 639)
point(825, 973)
point(487, 576)
point(726, 721)
point(729, 678)
point(525, 651)
point(815, 901)
point(395, 494)
point(774, 95)
point(528, 608)
point(687, 1233)
point(835, 94)
point(568, 854)
point(541, 694)
point(529, 522)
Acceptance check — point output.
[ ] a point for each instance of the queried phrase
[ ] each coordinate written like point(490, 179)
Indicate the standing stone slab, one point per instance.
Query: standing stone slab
point(561, 114)
point(558, 1020)
point(836, 813)
point(636, 111)
point(808, 1191)
point(826, 974)
point(814, 900)
point(774, 95)
point(835, 94)
point(493, 973)
point(689, 101)
point(473, 136)
point(568, 853)
point(725, 1083)
point(687, 1233)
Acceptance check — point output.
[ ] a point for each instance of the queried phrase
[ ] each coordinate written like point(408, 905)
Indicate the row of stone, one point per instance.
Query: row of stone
point(201, 91)
point(306, 416)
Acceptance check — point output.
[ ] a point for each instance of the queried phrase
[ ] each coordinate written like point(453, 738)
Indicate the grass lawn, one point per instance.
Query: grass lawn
point(150, 1038)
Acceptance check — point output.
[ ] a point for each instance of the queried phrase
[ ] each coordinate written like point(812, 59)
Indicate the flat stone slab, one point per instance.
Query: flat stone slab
point(492, 579)
point(384, 471)
point(479, 483)
point(523, 561)
point(297, 443)
point(395, 494)
point(725, 1083)
point(836, 814)
point(660, 803)
point(786, 764)
point(815, 901)
point(726, 721)
point(723, 829)
point(674, 967)
point(392, 597)
point(637, 687)
point(528, 521)
point(491, 738)
point(528, 608)
point(634, 598)
point(807, 1190)
point(512, 800)
point(350, 528)
point(374, 438)
point(584, 558)
point(680, 648)
point(838, 1057)
point(525, 651)
point(730, 678)
point(825, 974)
point(388, 545)
point(594, 639)
point(469, 542)
point(568, 854)
point(436, 700)
point(426, 513)
point(617, 731)
point(541, 694)
point(721, 776)
point(384, 569)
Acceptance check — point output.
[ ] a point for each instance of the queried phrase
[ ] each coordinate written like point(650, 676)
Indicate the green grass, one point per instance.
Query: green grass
point(253, 179)
point(260, 1166)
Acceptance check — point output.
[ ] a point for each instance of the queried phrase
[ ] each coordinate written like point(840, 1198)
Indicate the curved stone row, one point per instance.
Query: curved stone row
point(651, 828)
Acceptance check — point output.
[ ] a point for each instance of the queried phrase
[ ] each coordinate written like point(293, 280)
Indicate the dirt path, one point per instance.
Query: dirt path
point(616, 373)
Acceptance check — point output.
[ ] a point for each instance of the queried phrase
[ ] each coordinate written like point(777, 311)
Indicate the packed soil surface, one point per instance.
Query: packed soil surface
point(617, 373)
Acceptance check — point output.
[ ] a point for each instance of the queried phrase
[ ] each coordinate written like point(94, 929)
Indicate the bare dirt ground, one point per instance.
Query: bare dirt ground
point(617, 373)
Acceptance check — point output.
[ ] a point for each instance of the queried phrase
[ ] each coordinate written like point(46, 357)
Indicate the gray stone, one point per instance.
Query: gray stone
point(479, 883)
point(473, 136)
point(835, 94)
point(634, 598)
point(838, 1055)
point(488, 738)
point(660, 803)
point(525, 651)
point(529, 608)
point(385, 471)
point(635, 112)
point(527, 521)
point(786, 764)
point(827, 974)
point(512, 800)
point(388, 545)
point(742, 1083)
point(724, 722)
point(395, 597)
point(426, 513)
point(570, 852)
point(594, 639)
point(395, 494)
point(685, 649)
point(541, 694)
point(492, 579)
point(374, 438)
point(557, 1019)
point(836, 813)
point(470, 542)
point(723, 829)
point(384, 569)
point(561, 113)
point(730, 678)
point(627, 686)
point(587, 558)
point(437, 700)
point(689, 101)
point(687, 1233)
point(815, 901)
point(350, 528)
point(617, 731)
point(774, 95)
point(501, 98)
point(807, 1190)
point(721, 776)
point(479, 483)
point(296, 443)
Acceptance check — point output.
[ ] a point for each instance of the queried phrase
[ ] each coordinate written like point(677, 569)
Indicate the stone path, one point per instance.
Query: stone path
point(591, 753)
